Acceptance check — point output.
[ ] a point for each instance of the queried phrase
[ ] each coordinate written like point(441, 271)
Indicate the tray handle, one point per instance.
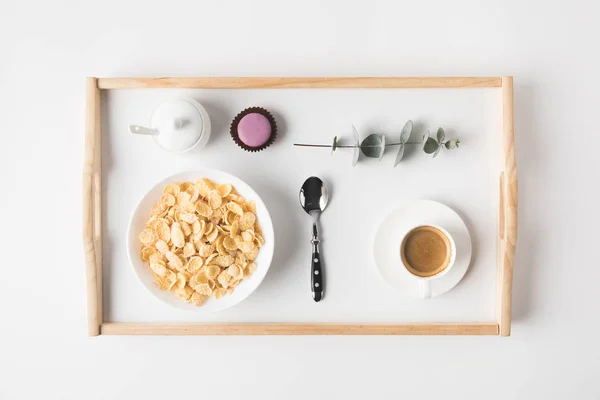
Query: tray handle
point(92, 229)
point(507, 224)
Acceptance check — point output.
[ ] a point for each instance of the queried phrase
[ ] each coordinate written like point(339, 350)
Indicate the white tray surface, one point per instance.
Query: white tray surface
point(465, 179)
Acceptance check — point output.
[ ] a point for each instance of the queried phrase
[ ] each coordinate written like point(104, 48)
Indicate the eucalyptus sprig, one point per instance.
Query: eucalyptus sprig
point(374, 145)
point(432, 146)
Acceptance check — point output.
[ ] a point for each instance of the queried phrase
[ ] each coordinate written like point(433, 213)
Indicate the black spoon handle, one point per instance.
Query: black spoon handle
point(316, 267)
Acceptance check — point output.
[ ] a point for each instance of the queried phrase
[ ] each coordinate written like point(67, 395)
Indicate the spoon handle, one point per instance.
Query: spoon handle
point(316, 271)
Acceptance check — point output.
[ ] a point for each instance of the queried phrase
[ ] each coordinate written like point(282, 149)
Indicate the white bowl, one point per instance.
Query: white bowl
point(140, 217)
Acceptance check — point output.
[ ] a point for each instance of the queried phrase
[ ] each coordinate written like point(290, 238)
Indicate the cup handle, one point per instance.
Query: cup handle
point(425, 286)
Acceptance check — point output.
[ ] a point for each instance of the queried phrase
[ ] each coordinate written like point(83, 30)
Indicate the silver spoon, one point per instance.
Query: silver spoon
point(313, 199)
point(143, 130)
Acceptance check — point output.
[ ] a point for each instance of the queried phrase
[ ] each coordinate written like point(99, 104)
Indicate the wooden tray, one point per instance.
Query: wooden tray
point(92, 211)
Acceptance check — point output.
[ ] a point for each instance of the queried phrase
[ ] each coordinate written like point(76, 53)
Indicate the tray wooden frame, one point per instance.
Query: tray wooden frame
point(92, 212)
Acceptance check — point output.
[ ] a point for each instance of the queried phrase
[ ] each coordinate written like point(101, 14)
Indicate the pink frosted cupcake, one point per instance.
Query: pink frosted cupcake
point(254, 129)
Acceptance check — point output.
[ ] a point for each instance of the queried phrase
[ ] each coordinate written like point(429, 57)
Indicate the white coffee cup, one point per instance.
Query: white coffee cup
point(423, 279)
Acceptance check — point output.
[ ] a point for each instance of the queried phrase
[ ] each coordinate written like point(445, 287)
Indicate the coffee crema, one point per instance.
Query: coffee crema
point(426, 251)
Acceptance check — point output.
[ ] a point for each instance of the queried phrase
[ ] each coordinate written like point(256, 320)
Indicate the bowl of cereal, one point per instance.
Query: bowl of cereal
point(201, 240)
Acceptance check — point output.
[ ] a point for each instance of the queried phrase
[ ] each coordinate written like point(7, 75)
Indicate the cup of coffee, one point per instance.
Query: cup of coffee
point(427, 252)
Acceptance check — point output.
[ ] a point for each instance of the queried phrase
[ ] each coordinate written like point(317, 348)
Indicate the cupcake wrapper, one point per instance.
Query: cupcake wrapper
point(236, 121)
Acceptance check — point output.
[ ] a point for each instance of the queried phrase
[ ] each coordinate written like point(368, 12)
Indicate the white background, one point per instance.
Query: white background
point(47, 48)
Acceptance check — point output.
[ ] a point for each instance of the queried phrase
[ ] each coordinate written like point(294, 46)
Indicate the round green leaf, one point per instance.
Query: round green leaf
point(425, 137)
point(431, 146)
point(441, 135)
point(452, 144)
point(399, 155)
point(373, 145)
point(334, 145)
point(435, 153)
point(382, 147)
point(406, 131)
point(356, 146)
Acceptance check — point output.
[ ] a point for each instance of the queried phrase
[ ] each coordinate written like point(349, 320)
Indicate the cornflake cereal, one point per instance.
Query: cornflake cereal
point(200, 240)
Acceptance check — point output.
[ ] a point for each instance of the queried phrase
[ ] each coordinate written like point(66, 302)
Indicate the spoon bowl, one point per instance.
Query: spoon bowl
point(313, 199)
point(313, 196)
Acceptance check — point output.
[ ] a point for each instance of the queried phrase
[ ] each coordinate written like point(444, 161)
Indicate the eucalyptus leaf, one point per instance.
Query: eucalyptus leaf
point(452, 144)
point(435, 153)
point(441, 135)
point(373, 146)
point(425, 138)
point(334, 145)
point(356, 146)
point(431, 146)
point(406, 131)
point(399, 155)
point(382, 147)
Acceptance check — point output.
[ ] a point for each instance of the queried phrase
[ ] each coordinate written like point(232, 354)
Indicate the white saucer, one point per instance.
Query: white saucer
point(389, 234)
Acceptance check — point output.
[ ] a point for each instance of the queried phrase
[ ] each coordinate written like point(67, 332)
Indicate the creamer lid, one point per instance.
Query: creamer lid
point(180, 125)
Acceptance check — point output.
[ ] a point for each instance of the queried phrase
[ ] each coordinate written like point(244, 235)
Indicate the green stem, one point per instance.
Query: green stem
point(314, 145)
point(349, 146)
point(398, 144)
